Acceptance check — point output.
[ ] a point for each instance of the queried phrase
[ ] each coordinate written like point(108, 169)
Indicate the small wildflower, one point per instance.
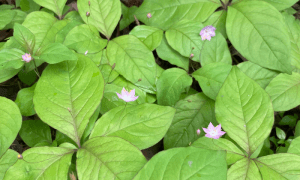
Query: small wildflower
point(207, 32)
point(198, 132)
point(127, 96)
point(26, 57)
point(20, 156)
point(87, 14)
point(213, 132)
point(86, 52)
point(192, 55)
point(149, 15)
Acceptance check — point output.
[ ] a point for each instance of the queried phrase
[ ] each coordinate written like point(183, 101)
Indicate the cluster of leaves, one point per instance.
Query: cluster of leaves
point(99, 136)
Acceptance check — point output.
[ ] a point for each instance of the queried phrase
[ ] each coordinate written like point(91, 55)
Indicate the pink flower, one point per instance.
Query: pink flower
point(127, 96)
point(26, 57)
point(213, 132)
point(207, 32)
point(198, 132)
point(149, 15)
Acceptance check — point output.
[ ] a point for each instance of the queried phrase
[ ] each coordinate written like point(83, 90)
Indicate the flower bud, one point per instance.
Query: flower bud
point(88, 14)
point(198, 132)
point(192, 55)
point(149, 15)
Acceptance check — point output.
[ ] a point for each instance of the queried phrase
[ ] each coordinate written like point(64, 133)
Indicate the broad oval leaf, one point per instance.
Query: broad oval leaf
point(257, 30)
point(260, 75)
point(279, 166)
point(211, 78)
point(10, 123)
point(167, 53)
point(24, 37)
point(18, 17)
point(281, 4)
point(25, 101)
point(133, 60)
point(294, 32)
point(34, 132)
point(108, 158)
point(104, 14)
point(11, 59)
point(167, 12)
point(6, 74)
point(233, 153)
point(192, 113)
point(6, 16)
point(42, 163)
point(40, 24)
point(244, 110)
point(244, 169)
point(216, 50)
point(295, 146)
point(61, 35)
point(55, 53)
point(84, 38)
point(171, 84)
point(150, 36)
point(284, 91)
point(8, 159)
point(185, 163)
point(57, 6)
point(142, 125)
point(67, 94)
point(184, 37)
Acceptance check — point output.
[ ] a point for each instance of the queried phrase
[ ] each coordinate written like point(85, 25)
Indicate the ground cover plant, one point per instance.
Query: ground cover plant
point(171, 90)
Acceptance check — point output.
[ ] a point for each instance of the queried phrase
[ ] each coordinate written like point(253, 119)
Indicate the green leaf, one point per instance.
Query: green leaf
point(192, 113)
point(110, 98)
point(11, 59)
point(167, 53)
point(19, 17)
point(74, 16)
point(35, 131)
point(127, 16)
point(61, 35)
point(84, 38)
point(57, 6)
point(60, 138)
point(8, 159)
point(90, 125)
point(289, 120)
point(297, 130)
point(233, 153)
point(6, 7)
point(108, 73)
point(117, 158)
point(185, 163)
point(171, 84)
point(245, 111)
point(42, 163)
point(104, 14)
point(6, 74)
point(218, 19)
point(10, 123)
point(260, 75)
point(25, 101)
point(166, 13)
point(280, 133)
point(6, 16)
point(284, 91)
point(24, 37)
point(257, 30)
point(29, 6)
point(40, 24)
point(281, 4)
point(27, 78)
point(150, 36)
point(294, 33)
point(67, 94)
point(216, 50)
point(142, 125)
point(128, 52)
point(295, 146)
point(184, 38)
point(244, 169)
point(279, 166)
point(55, 53)
point(211, 78)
